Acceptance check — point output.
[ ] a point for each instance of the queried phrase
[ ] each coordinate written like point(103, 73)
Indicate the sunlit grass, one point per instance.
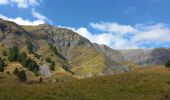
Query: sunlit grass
point(143, 84)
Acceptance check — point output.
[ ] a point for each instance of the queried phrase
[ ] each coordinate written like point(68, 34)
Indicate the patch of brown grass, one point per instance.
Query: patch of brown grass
point(152, 83)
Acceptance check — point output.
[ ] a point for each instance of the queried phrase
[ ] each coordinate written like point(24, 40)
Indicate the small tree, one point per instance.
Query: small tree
point(32, 66)
point(30, 48)
point(8, 72)
point(48, 60)
point(40, 80)
point(4, 53)
point(52, 65)
point(22, 76)
point(13, 54)
point(37, 56)
point(22, 58)
point(167, 64)
point(65, 67)
point(2, 65)
point(15, 72)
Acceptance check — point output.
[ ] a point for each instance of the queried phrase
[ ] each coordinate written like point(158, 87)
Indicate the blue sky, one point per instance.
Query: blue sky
point(121, 24)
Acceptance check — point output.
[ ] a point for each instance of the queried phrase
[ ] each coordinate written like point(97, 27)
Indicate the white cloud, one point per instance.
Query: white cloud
point(22, 21)
point(112, 40)
point(3, 2)
point(38, 15)
point(120, 36)
point(21, 3)
point(154, 33)
point(112, 27)
point(40, 19)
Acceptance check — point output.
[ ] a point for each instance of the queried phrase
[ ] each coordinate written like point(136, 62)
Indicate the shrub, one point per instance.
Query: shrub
point(22, 76)
point(15, 72)
point(13, 54)
point(30, 48)
point(37, 56)
point(48, 59)
point(40, 80)
point(32, 65)
point(52, 65)
point(2, 65)
point(8, 72)
point(65, 67)
point(22, 58)
point(167, 64)
point(4, 53)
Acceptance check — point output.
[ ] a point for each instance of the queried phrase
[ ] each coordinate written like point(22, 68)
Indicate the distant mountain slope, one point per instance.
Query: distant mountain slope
point(147, 56)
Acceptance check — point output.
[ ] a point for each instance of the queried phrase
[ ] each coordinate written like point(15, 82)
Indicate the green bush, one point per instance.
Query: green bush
point(48, 59)
point(37, 56)
point(52, 65)
point(40, 80)
point(65, 67)
point(22, 76)
point(4, 53)
point(16, 71)
point(8, 72)
point(167, 64)
point(22, 58)
point(32, 65)
point(2, 65)
point(30, 48)
point(13, 54)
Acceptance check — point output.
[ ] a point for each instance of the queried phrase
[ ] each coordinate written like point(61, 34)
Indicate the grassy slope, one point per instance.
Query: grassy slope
point(151, 83)
point(86, 60)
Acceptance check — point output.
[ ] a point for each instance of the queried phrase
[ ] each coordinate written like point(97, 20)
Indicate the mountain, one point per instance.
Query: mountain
point(84, 58)
point(12, 34)
point(73, 53)
point(147, 56)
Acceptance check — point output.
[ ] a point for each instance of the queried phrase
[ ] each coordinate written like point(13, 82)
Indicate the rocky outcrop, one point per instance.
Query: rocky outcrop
point(146, 56)
point(12, 34)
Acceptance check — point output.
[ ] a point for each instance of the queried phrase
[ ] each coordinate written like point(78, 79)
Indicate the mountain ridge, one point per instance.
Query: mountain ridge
point(76, 53)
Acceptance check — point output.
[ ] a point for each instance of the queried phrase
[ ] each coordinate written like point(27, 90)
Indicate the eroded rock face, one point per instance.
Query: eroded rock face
point(44, 70)
point(114, 55)
point(12, 34)
point(158, 56)
point(147, 56)
point(136, 55)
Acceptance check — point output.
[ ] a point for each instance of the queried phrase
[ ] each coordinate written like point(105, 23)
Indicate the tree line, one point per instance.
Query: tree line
point(21, 57)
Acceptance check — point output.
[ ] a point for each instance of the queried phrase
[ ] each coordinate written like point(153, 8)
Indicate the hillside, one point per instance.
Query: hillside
point(150, 83)
point(147, 56)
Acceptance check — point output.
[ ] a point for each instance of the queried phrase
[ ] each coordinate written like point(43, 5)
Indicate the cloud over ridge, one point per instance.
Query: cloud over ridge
point(120, 36)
